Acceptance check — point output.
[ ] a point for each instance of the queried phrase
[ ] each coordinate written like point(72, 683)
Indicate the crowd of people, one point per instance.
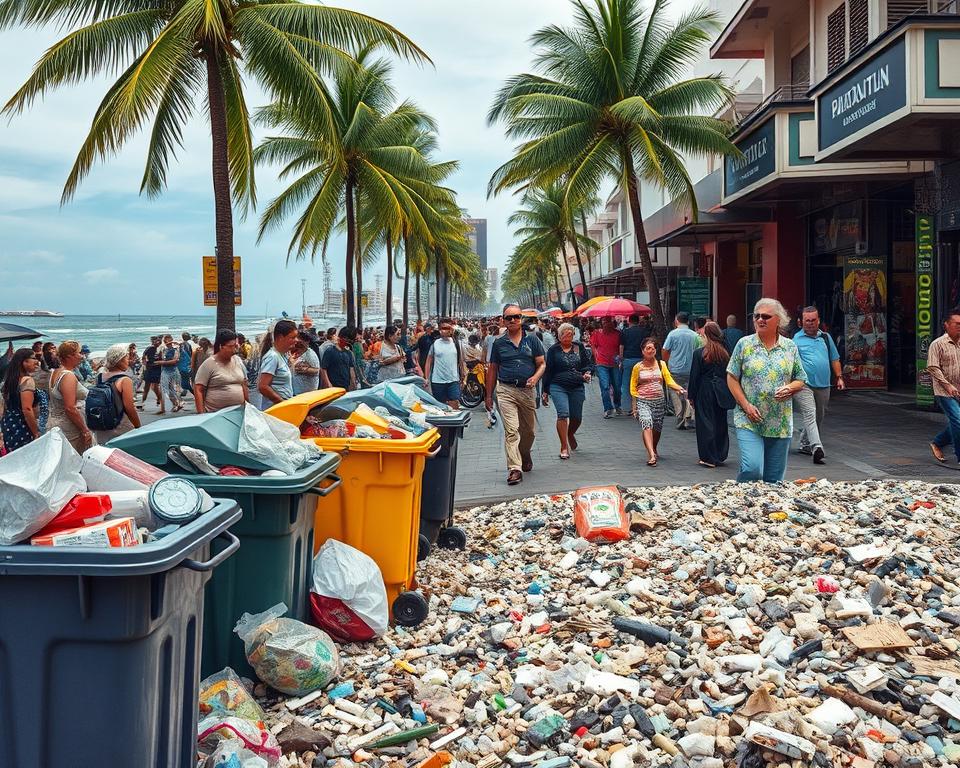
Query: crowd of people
point(698, 373)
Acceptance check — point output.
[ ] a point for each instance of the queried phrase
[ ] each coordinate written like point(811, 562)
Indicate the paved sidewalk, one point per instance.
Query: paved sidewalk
point(867, 435)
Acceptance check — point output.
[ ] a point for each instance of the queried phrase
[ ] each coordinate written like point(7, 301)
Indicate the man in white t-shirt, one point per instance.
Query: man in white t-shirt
point(445, 367)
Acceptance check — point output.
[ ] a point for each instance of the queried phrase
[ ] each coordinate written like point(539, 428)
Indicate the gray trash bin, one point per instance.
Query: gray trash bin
point(100, 649)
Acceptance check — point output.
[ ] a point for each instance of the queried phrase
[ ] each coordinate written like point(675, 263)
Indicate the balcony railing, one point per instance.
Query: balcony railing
point(898, 10)
point(783, 94)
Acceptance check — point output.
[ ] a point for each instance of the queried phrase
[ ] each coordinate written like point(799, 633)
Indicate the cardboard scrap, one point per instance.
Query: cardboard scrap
point(640, 522)
point(882, 636)
point(760, 702)
point(935, 668)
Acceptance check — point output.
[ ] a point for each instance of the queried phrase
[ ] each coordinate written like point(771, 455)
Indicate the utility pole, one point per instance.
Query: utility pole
point(303, 297)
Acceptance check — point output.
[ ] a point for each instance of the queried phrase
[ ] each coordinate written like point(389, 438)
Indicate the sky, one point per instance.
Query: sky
point(112, 251)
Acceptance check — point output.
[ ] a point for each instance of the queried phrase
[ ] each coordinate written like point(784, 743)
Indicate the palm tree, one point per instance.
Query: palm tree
point(174, 52)
point(609, 101)
point(547, 228)
point(359, 162)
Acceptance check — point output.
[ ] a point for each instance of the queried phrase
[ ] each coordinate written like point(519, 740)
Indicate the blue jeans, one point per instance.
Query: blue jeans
point(761, 458)
point(609, 376)
point(628, 363)
point(445, 392)
point(568, 402)
point(951, 432)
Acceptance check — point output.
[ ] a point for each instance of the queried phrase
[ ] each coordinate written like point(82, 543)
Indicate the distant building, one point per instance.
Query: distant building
point(478, 239)
point(493, 284)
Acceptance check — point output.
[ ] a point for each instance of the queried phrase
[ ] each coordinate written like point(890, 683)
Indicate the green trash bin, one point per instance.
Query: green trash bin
point(275, 558)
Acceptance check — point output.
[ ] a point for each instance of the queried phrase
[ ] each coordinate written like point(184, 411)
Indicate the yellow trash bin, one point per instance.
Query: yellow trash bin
point(377, 507)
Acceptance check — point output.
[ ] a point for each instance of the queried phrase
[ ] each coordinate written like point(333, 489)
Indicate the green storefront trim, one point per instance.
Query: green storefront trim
point(794, 138)
point(931, 63)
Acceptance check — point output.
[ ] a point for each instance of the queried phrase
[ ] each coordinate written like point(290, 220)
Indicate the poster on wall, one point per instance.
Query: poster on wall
point(926, 237)
point(865, 332)
point(693, 296)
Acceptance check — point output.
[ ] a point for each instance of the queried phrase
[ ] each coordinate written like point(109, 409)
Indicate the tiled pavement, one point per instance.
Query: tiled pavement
point(866, 435)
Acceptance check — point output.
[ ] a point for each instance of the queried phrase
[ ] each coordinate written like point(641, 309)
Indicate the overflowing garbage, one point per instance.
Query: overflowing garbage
point(52, 496)
point(811, 624)
point(398, 412)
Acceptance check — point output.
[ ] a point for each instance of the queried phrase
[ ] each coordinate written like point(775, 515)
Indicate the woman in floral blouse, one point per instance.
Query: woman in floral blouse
point(764, 373)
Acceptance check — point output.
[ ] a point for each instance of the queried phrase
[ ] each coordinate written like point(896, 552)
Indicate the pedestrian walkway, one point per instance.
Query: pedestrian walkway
point(866, 435)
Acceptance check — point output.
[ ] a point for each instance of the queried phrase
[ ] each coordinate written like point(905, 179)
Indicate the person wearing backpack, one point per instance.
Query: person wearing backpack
point(445, 367)
point(110, 405)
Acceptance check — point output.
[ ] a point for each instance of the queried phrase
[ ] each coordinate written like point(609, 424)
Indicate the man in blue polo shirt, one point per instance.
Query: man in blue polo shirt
point(516, 366)
point(819, 355)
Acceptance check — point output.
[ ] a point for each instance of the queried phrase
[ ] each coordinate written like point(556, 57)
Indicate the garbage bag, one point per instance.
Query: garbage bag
point(228, 712)
point(600, 515)
point(348, 598)
point(402, 395)
point(36, 482)
point(256, 738)
point(231, 753)
point(287, 654)
point(273, 442)
point(224, 694)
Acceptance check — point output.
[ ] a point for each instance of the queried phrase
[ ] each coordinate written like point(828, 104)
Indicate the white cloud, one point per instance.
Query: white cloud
point(106, 275)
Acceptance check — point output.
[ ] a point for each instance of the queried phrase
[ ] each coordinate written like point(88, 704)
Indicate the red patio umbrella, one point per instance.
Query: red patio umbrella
point(616, 308)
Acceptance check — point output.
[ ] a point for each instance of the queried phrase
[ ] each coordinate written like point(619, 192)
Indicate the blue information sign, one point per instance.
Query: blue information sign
point(758, 160)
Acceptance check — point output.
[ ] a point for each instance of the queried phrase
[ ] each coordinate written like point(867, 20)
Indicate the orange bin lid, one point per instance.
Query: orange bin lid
point(296, 409)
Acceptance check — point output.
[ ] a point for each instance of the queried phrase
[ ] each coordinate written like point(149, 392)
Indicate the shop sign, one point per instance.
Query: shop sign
point(210, 281)
point(757, 160)
point(694, 296)
point(865, 331)
point(869, 93)
point(926, 237)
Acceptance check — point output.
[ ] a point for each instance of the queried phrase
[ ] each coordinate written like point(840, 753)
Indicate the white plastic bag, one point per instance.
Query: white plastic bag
point(36, 482)
point(287, 654)
point(348, 598)
point(274, 442)
point(400, 394)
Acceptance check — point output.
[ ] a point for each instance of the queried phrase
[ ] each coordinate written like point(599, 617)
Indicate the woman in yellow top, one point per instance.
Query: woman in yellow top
point(646, 386)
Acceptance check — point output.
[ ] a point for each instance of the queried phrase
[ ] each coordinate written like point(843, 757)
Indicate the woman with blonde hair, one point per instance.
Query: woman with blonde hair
point(67, 395)
point(114, 373)
point(764, 373)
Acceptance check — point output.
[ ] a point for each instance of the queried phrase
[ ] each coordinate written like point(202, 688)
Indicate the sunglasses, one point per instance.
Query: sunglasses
point(762, 316)
point(508, 318)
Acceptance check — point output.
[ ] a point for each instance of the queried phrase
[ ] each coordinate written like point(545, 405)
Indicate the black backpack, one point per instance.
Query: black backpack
point(104, 404)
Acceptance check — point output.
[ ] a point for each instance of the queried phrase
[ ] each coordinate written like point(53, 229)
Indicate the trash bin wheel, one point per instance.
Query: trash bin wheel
point(452, 538)
point(410, 609)
point(423, 548)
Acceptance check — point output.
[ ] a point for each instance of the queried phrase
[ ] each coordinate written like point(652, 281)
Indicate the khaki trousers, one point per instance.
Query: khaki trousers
point(518, 409)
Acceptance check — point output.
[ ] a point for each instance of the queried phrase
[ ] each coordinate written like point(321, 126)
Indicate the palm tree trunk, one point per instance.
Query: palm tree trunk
point(659, 319)
point(406, 284)
point(556, 282)
point(583, 278)
point(419, 311)
point(583, 221)
point(351, 248)
point(358, 261)
point(439, 286)
point(223, 204)
point(573, 295)
point(389, 298)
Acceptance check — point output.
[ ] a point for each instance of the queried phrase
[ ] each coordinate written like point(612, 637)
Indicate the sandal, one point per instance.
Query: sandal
point(652, 462)
point(707, 464)
point(564, 454)
point(937, 453)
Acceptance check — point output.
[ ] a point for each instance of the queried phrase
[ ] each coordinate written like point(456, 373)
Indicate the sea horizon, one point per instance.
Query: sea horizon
point(99, 331)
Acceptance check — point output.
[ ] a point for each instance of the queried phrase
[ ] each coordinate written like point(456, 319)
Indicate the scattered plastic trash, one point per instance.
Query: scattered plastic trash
point(600, 515)
point(287, 654)
point(347, 596)
point(273, 442)
point(107, 533)
point(36, 482)
point(231, 719)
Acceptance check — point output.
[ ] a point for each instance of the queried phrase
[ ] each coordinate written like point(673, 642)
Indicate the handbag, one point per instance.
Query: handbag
point(722, 392)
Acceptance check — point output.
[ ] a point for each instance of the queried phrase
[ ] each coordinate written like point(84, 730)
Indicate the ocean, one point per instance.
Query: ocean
point(100, 331)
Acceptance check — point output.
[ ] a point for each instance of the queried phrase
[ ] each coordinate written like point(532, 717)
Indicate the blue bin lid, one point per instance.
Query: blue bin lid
point(217, 434)
point(144, 559)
